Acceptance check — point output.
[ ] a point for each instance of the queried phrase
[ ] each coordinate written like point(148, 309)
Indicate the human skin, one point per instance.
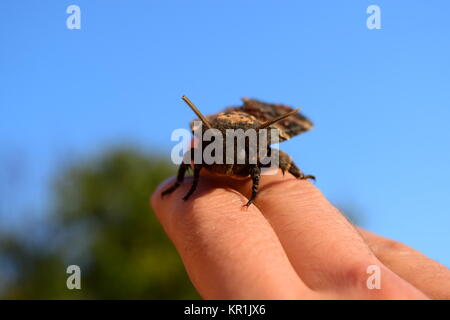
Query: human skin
point(291, 244)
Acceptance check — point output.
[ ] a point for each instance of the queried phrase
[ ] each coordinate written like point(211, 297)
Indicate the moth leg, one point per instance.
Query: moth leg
point(295, 171)
point(197, 169)
point(256, 175)
point(284, 161)
point(286, 164)
point(185, 165)
point(180, 177)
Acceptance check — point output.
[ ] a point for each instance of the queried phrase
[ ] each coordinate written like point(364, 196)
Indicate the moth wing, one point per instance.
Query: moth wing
point(262, 111)
point(288, 127)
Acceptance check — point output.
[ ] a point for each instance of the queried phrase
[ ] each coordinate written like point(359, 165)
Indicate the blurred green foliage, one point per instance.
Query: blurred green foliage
point(100, 220)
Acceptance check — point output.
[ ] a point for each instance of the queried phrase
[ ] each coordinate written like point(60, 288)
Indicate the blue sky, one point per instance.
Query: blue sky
point(380, 99)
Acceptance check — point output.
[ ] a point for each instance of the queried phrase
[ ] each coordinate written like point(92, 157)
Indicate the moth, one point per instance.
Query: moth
point(256, 115)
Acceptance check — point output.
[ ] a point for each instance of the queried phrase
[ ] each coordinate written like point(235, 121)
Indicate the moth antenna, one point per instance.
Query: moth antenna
point(196, 111)
point(283, 116)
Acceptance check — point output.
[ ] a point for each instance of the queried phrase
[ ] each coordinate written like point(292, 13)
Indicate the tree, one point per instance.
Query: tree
point(100, 220)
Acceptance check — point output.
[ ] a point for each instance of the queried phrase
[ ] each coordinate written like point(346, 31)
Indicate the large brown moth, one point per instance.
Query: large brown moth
point(253, 114)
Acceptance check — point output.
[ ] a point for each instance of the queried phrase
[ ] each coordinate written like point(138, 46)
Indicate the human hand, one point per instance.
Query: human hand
point(292, 244)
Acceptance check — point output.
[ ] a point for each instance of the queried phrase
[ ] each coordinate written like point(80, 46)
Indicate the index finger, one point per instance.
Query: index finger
point(227, 252)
